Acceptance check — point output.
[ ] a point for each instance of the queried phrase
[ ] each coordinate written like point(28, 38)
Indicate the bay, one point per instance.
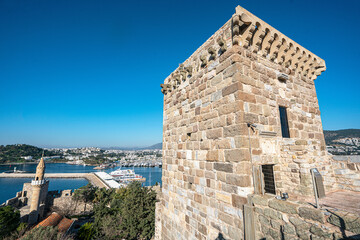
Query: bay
point(9, 186)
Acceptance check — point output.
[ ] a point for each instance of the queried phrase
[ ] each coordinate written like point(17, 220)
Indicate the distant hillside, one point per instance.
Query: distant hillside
point(13, 153)
point(157, 146)
point(343, 142)
point(330, 136)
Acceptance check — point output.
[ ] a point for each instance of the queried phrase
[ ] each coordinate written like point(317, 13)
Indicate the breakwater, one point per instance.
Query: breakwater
point(91, 177)
point(9, 186)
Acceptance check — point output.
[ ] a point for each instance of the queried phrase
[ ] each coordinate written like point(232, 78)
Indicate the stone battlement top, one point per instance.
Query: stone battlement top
point(251, 33)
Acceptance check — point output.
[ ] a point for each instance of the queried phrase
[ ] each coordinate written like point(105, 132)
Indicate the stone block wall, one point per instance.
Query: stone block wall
point(241, 75)
point(278, 219)
point(62, 202)
point(27, 190)
point(347, 172)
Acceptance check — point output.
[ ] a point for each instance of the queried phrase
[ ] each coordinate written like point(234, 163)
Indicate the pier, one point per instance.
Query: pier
point(91, 177)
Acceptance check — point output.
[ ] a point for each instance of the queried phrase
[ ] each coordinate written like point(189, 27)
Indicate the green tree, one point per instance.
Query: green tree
point(128, 213)
point(46, 233)
point(138, 212)
point(85, 194)
point(9, 220)
point(86, 232)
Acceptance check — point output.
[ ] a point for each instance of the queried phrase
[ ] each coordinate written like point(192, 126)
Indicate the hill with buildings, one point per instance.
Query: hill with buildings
point(21, 153)
point(343, 142)
point(157, 146)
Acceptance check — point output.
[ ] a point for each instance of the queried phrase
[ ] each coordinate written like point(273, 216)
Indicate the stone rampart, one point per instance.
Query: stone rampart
point(278, 219)
point(62, 202)
point(347, 172)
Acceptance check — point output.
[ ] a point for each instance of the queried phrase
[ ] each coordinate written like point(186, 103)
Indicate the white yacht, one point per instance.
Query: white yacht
point(126, 175)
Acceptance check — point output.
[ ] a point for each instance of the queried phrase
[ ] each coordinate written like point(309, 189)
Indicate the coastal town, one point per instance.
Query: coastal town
point(344, 146)
point(87, 156)
point(109, 158)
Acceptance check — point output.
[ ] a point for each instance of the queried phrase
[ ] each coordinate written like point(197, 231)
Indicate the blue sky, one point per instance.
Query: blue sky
point(87, 73)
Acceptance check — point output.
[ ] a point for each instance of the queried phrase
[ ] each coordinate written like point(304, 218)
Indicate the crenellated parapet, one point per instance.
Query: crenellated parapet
point(259, 37)
point(251, 33)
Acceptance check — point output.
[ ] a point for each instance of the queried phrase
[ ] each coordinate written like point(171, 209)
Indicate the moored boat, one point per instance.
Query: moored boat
point(127, 175)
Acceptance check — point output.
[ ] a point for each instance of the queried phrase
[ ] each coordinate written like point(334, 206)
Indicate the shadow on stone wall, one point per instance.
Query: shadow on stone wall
point(292, 220)
point(220, 237)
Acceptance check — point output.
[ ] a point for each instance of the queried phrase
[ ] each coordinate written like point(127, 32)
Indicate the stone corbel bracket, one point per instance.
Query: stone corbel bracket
point(203, 59)
point(212, 52)
point(165, 88)
point(222, 44)
point(259, 37)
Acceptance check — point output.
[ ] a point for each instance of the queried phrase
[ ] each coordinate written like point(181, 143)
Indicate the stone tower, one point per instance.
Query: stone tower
point(39, 188)
point(241, 116)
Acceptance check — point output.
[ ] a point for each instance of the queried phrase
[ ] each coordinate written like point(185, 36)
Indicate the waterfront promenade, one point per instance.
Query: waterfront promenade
point(91, 177)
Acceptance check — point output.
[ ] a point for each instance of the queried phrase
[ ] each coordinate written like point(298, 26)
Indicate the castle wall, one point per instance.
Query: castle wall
point(347, 172)
point(63, 203)
point(208, 149)
point(27, 190)
point(278, 219)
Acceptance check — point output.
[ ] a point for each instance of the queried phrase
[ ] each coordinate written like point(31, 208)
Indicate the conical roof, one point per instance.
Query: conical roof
point(41, 163)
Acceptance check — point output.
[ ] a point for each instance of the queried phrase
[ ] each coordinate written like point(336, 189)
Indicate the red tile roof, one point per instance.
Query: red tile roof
point(64, 224)
point(54, 220)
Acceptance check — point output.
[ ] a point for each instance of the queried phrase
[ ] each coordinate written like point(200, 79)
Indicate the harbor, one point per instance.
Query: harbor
point(64, 176)
point(90, 177)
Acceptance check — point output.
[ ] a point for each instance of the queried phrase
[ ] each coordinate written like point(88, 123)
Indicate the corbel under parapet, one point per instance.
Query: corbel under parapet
point(259, 37)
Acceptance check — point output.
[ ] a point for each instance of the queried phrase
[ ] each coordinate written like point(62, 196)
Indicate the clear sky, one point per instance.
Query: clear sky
point(87, 73)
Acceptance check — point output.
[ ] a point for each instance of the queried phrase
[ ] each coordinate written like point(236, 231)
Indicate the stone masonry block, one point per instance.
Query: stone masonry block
point(228, 188)
point(223, 144)
point(214, 133)
point(263, 220)
point(231, 89)
point(271, 213)
point(237, 155)
point(212, 155)
point(221, 176)
point(238, 77)
point(197, 198)
point(320, 232)
point(242, 168)
point(223, 167)
point(216, 80)
point(234, 68)
point(238, 201)
point(222, 66)
point(312, 214)
point(349, 222)
point(230, 108)
point(235, 130)
point(223, 197)
point(241, 141)
point(258, 68)
point(283, 206)
point(231, 51)
point(301, 142)
point(202, 229)
point(260, 200)
point(246, 97)
point(289, 229)
point(216, 96)
point(238, 180)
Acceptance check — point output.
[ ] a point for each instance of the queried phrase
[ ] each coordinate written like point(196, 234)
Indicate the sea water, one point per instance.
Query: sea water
point(10, 186)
